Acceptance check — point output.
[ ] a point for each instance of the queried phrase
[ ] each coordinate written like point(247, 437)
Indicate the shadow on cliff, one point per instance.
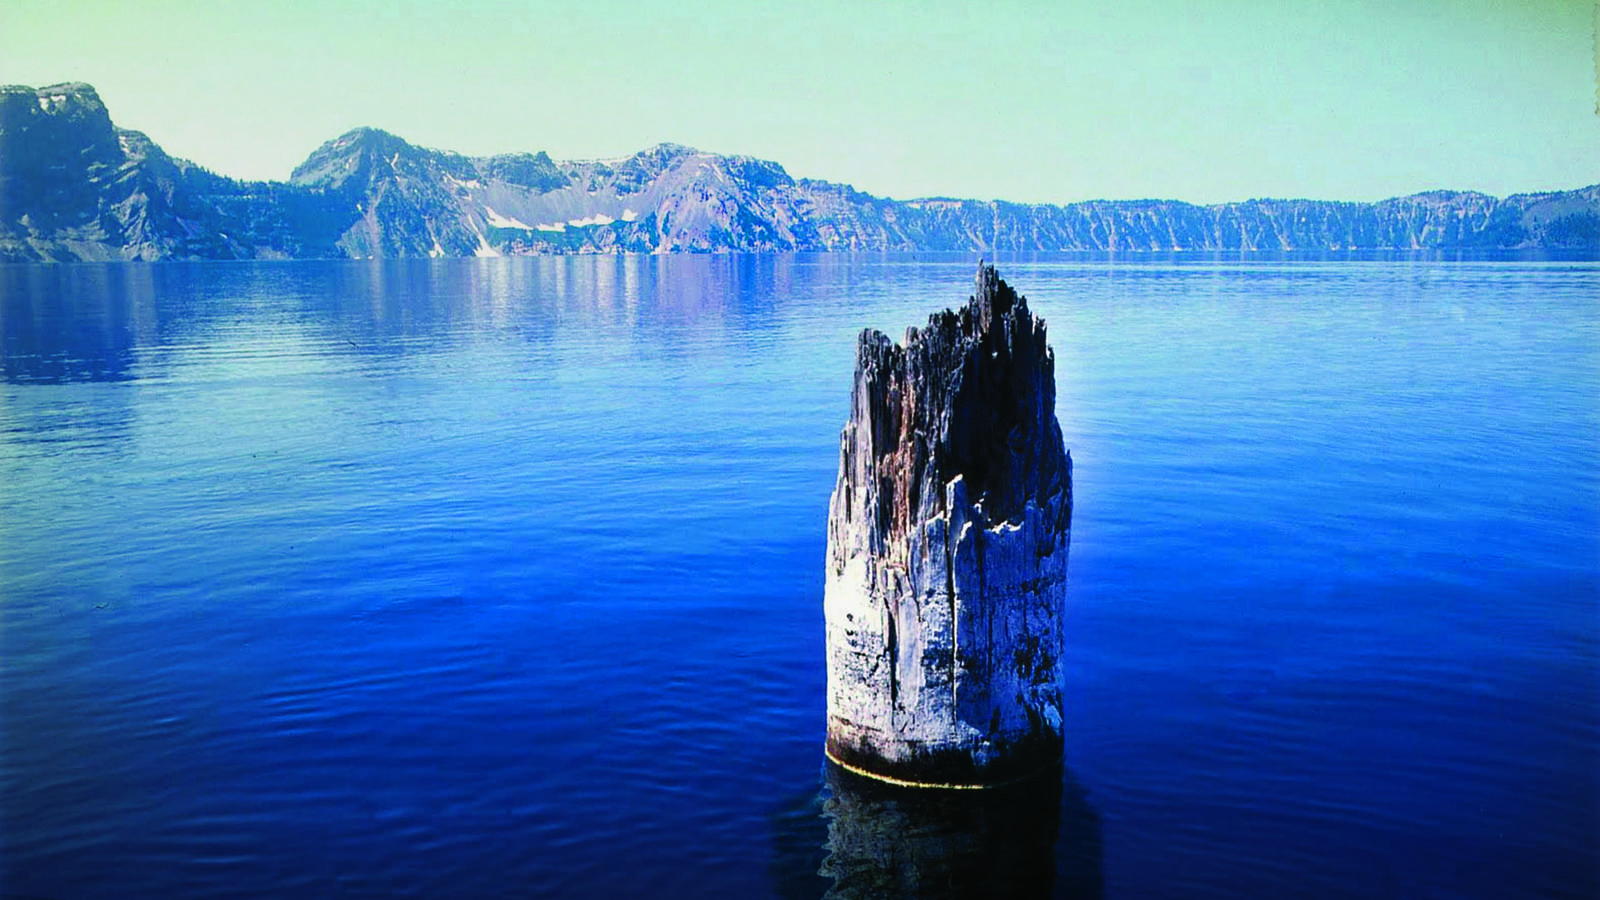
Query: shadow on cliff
point(858, 838)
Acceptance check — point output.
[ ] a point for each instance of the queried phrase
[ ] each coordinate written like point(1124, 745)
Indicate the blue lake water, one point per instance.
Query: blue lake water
point(503, 578)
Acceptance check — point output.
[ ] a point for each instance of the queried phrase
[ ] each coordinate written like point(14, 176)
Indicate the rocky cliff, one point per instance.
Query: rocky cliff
point(73, 186)
point(947, 551)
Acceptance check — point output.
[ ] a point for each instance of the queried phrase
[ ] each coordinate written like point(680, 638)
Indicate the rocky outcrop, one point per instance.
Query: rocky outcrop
point(947, 551)
point(75, 187)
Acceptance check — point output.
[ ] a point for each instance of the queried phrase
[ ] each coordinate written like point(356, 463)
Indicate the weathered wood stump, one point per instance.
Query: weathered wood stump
point(947, 552)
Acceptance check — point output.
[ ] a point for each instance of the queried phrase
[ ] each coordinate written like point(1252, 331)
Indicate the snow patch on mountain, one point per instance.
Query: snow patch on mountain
point(499, 221)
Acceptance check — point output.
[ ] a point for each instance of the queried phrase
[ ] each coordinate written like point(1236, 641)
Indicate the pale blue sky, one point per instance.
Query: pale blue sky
point(1027, 101)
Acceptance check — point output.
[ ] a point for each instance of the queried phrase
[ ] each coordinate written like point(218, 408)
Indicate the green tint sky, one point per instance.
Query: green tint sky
point(1044, 102)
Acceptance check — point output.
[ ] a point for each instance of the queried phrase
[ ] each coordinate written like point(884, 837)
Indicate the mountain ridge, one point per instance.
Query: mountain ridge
point(73, 186)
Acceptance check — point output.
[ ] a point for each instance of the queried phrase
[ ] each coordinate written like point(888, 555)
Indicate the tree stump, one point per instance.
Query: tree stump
point(947, 552)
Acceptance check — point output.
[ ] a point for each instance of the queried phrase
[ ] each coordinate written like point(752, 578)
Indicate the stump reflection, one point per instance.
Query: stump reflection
point(1033, 839)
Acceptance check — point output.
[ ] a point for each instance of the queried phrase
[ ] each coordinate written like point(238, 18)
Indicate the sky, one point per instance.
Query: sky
point(1045, 102)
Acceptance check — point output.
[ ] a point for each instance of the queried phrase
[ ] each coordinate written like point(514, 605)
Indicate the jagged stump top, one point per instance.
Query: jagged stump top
point(971, 394)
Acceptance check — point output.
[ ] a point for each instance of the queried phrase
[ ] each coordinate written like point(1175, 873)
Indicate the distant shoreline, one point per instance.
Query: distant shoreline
point(77, 188)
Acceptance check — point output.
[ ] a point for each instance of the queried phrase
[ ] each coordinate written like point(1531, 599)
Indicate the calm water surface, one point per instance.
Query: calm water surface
point(502, 578)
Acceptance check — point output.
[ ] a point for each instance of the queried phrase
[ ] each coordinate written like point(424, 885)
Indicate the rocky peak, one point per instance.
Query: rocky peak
point(61, 120)
point(358, 153)
point(639, 171)
point(57, 144)
point(534, 171)
point(665, 153)
point(758, 174)
point(137, 146)
point(70, 100)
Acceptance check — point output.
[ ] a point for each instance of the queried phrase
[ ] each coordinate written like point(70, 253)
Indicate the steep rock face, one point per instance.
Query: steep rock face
point(74, 186)
point(56, 144)
point(391, 198)
point(948, 533)
point(530, 171)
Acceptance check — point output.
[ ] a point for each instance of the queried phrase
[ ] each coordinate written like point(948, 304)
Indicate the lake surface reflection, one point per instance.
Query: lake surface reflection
point(894, 842)
point(486, 578)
